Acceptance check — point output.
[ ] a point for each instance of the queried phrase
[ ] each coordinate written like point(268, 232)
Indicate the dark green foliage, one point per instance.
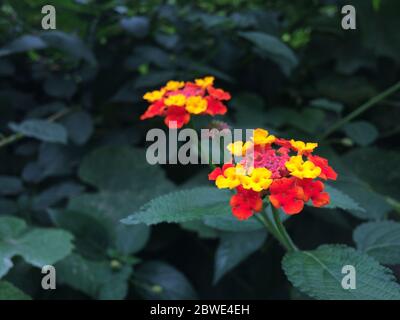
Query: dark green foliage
point(72, 148)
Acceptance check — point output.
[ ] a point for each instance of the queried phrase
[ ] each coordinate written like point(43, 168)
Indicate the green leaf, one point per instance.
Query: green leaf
point(131, 239)
point(234, 248)
point(56, 193)
point(22, 44)
point(42, 130)
point(362, 132)
point(341, 200)
point(109, 208)
point(60, 87)
point(10, 185)
point(68, 43)
point(137, 26)
point(273, 48)
point(38, 247)
point(79, 126)
point(380, 168)
point(94, 278)
point(9, 292)
point(92, 234)
point(327, 104)
point(159, 280)
point(231, 223)
point(121, 168)
point(374, 205)
point(380, 240)
point(183, 206)
point(318, 273)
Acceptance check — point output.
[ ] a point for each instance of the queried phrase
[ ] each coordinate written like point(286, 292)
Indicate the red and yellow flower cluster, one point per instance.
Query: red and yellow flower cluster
point(177, 100)
point(283, 170)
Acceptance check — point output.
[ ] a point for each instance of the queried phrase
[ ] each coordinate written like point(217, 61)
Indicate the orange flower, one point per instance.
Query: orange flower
point(192, 98)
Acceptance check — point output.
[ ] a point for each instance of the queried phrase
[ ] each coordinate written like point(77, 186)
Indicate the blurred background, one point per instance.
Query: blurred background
point(72, 144)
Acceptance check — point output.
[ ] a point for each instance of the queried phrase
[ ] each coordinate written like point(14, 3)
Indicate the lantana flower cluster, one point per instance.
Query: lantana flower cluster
point(178, 100)
point(284, 171)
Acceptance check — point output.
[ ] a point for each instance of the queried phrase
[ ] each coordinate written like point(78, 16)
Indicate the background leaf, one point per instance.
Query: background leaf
point(42, 130)
point(380, 240)
point(234, 248)
point(158, 280)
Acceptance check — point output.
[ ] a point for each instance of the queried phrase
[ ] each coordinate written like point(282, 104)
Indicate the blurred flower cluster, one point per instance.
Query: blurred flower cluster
point(178, 100)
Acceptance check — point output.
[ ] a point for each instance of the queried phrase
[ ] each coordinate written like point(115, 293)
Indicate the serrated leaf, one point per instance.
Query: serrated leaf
point(273, 48)
point(182, 206)
point(94, 278)
point(338, 199)
point(362, 132)
point(9, 292)
point(159, 280)
point(380, 240)
point(42, 130)
point(234, 248)
point(318, 273)
point(38, 247)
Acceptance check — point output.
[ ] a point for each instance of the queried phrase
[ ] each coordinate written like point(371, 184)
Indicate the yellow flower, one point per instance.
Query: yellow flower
point(261, 136)
point(300, 169)
point(154, 95)
point(174, 85)
point(205, 82)
point(259, 179)
point(178, 100)
point(231, 177)
point(196, 104)
point(301, 146)
point(238, 148)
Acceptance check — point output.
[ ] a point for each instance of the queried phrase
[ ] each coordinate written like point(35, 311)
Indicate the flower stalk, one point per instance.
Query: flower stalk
point(277, 229)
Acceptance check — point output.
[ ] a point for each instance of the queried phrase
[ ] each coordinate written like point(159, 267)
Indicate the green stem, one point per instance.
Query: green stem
point(267, 223)
point(282, 230)
point(370, 103)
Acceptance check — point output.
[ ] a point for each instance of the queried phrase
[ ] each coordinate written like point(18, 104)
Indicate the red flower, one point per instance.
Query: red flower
point(214, 106)
point(326, 171)
point(287, 194)
point(313, 190)
point(218, 93)
point(283, 143)
point(245, 203)
point(176, 117)
point(156, 109)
